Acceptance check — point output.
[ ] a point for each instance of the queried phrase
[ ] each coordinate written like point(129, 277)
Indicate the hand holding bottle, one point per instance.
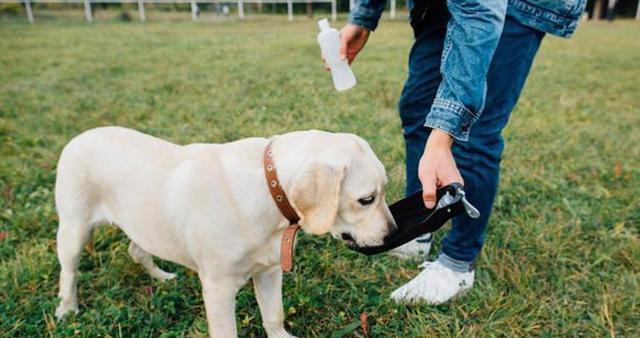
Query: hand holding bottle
point(352, 39)
point(330, 44)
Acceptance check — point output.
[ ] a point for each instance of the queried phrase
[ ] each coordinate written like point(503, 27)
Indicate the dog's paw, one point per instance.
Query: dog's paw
point(284, 334)
point(281, 333)
point(64, 309)
point(162, 275)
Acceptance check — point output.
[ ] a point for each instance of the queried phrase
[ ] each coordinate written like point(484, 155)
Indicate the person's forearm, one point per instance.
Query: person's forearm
point(472, 36)
point(366, 13)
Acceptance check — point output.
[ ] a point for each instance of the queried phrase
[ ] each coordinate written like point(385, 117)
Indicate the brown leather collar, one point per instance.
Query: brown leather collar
point(280, 198)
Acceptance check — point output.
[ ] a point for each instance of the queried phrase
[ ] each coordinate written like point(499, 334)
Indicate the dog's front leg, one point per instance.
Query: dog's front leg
point(268, 287)
point(219, 295)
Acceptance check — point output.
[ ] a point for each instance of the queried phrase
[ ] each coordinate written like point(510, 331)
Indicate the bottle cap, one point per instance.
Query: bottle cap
point(323, 24)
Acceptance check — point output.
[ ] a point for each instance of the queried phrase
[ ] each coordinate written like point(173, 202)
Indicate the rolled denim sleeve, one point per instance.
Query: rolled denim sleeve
point(366, 13)
point(472, 36)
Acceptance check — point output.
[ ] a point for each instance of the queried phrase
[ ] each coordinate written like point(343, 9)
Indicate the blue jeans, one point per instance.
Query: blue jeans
point(478, 159)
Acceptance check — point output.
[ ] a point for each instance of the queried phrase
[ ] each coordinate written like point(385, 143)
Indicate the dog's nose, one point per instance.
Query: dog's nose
point(347, 237)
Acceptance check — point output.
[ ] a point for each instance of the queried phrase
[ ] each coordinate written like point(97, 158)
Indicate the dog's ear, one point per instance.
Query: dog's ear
point(315, 195)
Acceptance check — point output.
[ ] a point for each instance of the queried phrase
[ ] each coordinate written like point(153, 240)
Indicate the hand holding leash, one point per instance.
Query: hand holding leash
point(437, 167)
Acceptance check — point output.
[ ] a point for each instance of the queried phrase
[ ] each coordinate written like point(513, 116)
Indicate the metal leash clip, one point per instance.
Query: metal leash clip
point(447, 199)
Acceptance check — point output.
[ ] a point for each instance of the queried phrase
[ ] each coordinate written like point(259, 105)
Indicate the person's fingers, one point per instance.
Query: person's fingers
point(343, 46)
point(324, 62)
point(429, 192)
point(451, 177)
point(351, 57)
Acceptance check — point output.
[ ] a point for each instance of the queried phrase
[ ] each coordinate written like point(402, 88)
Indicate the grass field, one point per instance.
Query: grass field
point(562, 255)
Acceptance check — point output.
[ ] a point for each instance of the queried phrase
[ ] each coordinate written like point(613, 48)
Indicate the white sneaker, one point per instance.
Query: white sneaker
point(417, 249)
point(435, 284)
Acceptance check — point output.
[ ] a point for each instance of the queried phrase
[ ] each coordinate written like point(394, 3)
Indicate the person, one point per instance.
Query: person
point(467, 66)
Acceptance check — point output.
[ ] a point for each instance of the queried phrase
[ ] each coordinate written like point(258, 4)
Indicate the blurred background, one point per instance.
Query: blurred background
point(209, 10)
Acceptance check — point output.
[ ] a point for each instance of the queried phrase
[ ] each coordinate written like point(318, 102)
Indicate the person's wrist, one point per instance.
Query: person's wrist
point(439, 139)
point(364, 29)
point(355, 26)
point(358, 25)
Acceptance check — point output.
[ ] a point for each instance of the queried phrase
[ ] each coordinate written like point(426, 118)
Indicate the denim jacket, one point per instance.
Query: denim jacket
point(473, 33)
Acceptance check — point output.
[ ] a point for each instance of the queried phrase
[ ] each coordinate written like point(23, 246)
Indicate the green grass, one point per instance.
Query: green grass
point(562, 255)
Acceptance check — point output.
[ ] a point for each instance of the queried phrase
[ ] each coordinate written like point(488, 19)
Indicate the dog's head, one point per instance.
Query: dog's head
point(337, 186)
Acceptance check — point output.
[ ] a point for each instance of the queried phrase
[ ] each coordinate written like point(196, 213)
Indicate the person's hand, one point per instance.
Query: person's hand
point(437, 167)
point(352, 40)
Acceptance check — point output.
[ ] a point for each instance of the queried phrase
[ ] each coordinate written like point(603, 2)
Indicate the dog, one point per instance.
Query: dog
point(208, 207)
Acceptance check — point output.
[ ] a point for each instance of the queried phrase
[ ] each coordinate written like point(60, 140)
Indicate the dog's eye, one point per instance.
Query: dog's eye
point(367, 200)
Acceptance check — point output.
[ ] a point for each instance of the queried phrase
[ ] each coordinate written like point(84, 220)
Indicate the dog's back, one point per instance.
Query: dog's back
point(102, 159)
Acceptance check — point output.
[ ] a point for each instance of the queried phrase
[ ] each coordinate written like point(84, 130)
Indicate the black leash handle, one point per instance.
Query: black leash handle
point(414, 219)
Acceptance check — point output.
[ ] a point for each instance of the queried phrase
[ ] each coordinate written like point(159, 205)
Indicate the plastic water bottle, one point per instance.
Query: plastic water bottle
point(329, 40)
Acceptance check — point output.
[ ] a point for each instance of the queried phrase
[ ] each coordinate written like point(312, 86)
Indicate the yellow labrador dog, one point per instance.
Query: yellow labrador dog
point(208, 207)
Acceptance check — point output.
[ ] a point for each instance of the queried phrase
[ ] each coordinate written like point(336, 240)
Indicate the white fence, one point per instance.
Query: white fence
point(194, 6)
